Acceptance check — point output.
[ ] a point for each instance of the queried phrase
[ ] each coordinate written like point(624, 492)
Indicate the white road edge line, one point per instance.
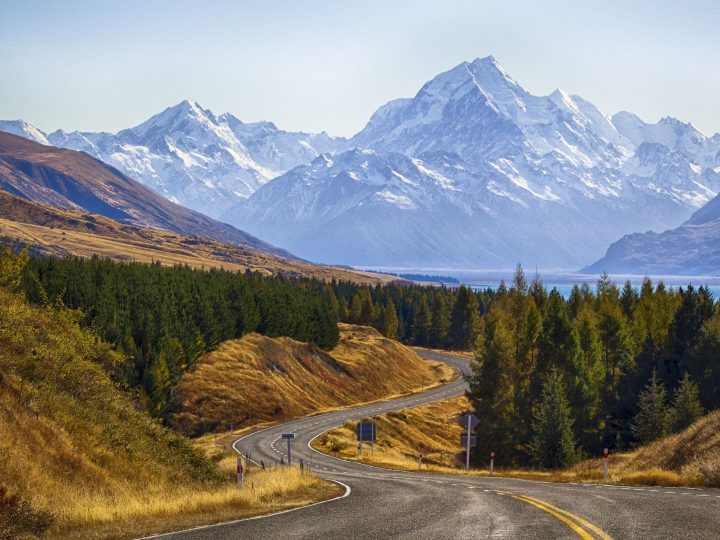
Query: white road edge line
point(235, 521)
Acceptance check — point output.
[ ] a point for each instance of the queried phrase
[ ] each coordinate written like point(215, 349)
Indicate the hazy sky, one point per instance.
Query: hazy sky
point(327, 65)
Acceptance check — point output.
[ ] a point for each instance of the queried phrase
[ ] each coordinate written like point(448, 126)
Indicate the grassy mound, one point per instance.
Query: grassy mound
point(257, 378)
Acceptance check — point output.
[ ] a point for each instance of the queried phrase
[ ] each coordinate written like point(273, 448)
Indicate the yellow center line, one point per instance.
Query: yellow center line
point(582, 533)
point(602, 534)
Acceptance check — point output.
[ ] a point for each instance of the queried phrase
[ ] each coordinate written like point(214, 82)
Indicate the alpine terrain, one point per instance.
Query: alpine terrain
point(473, 171)
point(476, 171)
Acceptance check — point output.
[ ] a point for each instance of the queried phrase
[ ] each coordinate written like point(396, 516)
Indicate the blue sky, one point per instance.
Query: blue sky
point(327, 65)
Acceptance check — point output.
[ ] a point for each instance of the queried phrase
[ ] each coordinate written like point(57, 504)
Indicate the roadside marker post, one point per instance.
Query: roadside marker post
point(359, 449)
point(492, 462)
point(247, 462)
point(420, 462)
point(289, 437)
point(302, 466)
point(605, 465)
point(240, 472)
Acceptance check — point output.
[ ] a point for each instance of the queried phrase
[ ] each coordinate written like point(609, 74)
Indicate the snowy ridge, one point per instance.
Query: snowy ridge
point(191, 156)
point(473, 170)
point(493, 175)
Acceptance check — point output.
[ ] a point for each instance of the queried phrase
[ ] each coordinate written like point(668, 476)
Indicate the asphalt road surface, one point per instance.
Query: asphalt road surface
point(380, 503)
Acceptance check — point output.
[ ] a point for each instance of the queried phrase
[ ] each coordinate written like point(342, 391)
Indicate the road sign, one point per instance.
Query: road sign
point(464, 441)
point(366, 432)
point(289, 437)
point(473, 420)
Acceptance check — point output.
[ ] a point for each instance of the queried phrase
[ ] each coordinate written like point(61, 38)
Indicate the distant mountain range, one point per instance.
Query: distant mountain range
point(192, 157)
point(473, 171)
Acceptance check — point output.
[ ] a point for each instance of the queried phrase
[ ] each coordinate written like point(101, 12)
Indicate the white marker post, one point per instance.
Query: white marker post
point(492, 462)
point(605, 465)
point(240, 472)
point(420, 462)
point(359, 449)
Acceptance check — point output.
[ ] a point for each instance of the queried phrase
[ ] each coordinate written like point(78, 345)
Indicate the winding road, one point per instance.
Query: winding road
point(382, 503)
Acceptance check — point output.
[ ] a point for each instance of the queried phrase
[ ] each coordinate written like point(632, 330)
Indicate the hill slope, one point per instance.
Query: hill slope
point(257, 378)
point(58, 232)
point(75, 181)
point(693, 248)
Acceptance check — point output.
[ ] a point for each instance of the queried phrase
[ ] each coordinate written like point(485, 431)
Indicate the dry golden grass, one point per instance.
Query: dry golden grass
point(137, 512)
point(257, 378)
point(431, 430)
point(690, 458)
point(54, 231)
point(77, 459)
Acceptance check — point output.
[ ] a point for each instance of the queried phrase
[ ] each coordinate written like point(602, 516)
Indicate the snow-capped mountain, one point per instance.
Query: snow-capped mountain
point(476, 171)
point(23, 129)
point(191, 156)
point(473, 170)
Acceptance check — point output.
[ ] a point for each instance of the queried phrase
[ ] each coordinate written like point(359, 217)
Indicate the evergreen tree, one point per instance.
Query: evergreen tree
point(629, 299)
point(464, 320)
point(686, 407)
point(420, 322)
point(390, 321)
point(651, 421)
point(491, 387)
point(553, 443)
point(440, 322)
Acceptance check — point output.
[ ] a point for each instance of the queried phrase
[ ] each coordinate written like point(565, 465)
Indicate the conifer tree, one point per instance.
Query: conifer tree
point(440, 322)
point(491, 387)
point(553, 443)
point(651, 421)
point(390, 321)
point(464, 320)
point(686, 407)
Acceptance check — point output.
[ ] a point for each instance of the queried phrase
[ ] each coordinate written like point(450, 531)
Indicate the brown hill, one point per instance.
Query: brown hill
point(58, 232)
point(257, 378)
point(75, 181)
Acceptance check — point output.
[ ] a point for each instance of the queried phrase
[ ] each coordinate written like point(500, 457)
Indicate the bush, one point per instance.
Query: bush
point(18, 518)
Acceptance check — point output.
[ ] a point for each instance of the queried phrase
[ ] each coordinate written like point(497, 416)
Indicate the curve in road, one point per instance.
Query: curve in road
point(383, 503)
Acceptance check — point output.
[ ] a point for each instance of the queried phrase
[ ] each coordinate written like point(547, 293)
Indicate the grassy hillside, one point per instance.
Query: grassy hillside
point(690, 458)
point(431, 430)
point(77, 458)
point(54, 231)
point(257, 378)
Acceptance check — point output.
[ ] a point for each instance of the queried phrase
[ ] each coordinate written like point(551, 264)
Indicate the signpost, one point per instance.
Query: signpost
point(366, 433)
point(469, 421)
point(289, 437)
point(464, 441)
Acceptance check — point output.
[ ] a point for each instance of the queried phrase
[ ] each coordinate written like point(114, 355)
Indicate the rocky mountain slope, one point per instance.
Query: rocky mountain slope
point(693, 248)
